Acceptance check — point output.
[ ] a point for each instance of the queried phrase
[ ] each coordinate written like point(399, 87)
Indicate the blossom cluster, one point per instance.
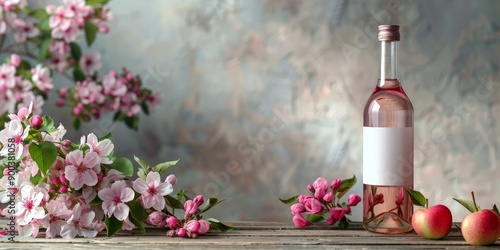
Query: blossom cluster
point(55, 30)
point(79, 189)
point(323, 203)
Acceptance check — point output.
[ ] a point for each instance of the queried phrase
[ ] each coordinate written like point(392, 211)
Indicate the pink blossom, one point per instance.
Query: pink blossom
point(204, 227)
point(354, 199)
point(89, 92)
point(336, 184)
point(173, 222)
point(36, 121)
point(59, 63)
point(14, 130)
point(69, 34)
point(198, 200)
point(90, 63)
point(313, 205)
point(300, 221)
point(60, 48)
point(192, 226)
point(328, 197)
point(181, 232)
point(41, 78)
point(79, 224)
point(337, 213)
point(7, 76)
point(113, 86)
point(114, 199)
point(152, 191)
point(57, 213)
point(15, 60)
point(320, 183)
point(81, 170)
point(60, 16)
point(172, 180)
point(102, 148)
point(190, 208)
point(157, 218)
point(28, 208)
point(22, 114)
point(25, 30)
point(297, 208)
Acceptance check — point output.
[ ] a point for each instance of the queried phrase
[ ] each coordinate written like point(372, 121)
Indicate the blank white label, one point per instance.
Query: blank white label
point(388, 156)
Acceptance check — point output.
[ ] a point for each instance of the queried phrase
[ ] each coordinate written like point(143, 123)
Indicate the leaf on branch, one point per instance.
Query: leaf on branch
point(173, 202)
point(347, 184)
point(163, 167)
point(144, 164)
point(314, 218)
point(137, 211)
point(210, 203)
point(78, 74)
point(113, 225)
point(141, 173)
point(216, 224)
point(44, 155)
point(468, 204)
point(132, 122)
point(96, 3)
point(291, 200)
point(123, 165)
point(44, 48)
point(76, 52)
point(495, 209)
point(416, 197)
point(35, 179)
point(344, 223)
point(96, 201)
point(90, 32)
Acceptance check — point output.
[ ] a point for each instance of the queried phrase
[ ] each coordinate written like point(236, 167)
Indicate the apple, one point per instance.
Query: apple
point(481, 228)
point(432, 223)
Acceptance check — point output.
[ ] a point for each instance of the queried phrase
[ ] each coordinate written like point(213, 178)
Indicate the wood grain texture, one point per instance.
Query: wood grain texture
point(254, 235)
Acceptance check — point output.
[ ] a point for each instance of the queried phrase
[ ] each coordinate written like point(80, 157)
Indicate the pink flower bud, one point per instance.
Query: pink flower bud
point(353, 199)
point(347, 210)
point(52, 190)
point(156, 218)
point(192, 226)
point(171, 179)
point(171, 233)
point(204, 227)
point(198, 200)
point(331, 221)
point(337, 213)
point(77, 111)
point(190, 207)
point(36, 121)
point(313, 206)
point(320, 183)
point(6, 172)
point(104, 29)
point(319, 193)
point(63, 189)
point(15, 60)
point(297, 208)
point(310, 187)
point(60, 103)
point(55, 181)
point(302, 198)
point(299, 220)
point(181, 232)
point(336, 184)
point(100, 176)
point(328, 197)
point(173, 222)
point(63, 179)
point(193, 235)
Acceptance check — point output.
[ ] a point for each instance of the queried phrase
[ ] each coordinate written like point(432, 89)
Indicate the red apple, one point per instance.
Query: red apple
point(481, 228)
point(432, 223)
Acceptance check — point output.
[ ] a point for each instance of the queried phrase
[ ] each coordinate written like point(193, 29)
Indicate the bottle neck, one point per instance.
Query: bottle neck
point(389, 64)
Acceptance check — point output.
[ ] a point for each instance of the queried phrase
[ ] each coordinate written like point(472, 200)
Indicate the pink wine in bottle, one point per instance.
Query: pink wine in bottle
point(388, 145)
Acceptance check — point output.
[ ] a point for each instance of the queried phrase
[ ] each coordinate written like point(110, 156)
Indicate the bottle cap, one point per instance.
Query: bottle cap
point(388, 33)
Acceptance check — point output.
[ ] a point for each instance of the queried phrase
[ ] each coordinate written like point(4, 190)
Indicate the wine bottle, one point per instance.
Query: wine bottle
point(388, 145)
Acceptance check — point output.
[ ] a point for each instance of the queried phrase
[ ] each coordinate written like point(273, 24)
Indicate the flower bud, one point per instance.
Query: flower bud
point(320, 183)
point(181, 232)
point(63, 189)
point(171, 179)
point(198, 200)
point(103, 29)
point(353, 199)
point(319, 193)
point(190, 207)
point(336, 184)
point(156, 218)
point(171, 233)
point(6, 172)
point(204, 227)
point(193, 235)
point(310, 187)
point(192, 226)
point(36, 121)
point(313, 205)
point(347, 210)
point(337, 213)
point(299, 220)
point(328, 197)
point(55, 181)
point(15, 60)
point(297, 208)
point(173, 222)
point(63, 179)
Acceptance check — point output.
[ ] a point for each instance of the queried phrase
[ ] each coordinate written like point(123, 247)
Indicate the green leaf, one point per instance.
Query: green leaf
point(78, 74)
point(313, 218)
point(90, 32)
point(145, 108)
point(163, 167)
point(468, 204)
point(96, 3)
point(416, 197)
point(35, 179)
point(48, 124)
point(44, 155)
point(39, 13)
point(44, 48)
point(137, 211)
point(347, 184)
point(291, 200)
point(344, 223)
point(141, 173)
point(173, 202)
point(76, 52)
point(107, 136)
point(77, 123)
point(495, 209)
point(216, 224)
point(113, 225)
point(24, 66)
point(123, 165)
point(144, 164)
point(138, 224)
point(96, 201)
point(132, 122)
point(210, 203)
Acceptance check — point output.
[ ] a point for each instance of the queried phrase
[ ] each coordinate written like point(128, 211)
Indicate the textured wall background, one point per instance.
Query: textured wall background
point(263, 96)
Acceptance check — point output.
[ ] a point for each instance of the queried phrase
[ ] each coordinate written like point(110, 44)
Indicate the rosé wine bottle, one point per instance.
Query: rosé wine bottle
point(388, 145)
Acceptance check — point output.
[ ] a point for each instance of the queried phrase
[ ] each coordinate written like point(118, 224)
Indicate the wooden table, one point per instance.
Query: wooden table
point(257, 235)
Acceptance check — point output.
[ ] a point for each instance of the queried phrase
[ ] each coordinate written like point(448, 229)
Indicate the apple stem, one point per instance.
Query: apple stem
point(426, 203)
point(474, 200)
